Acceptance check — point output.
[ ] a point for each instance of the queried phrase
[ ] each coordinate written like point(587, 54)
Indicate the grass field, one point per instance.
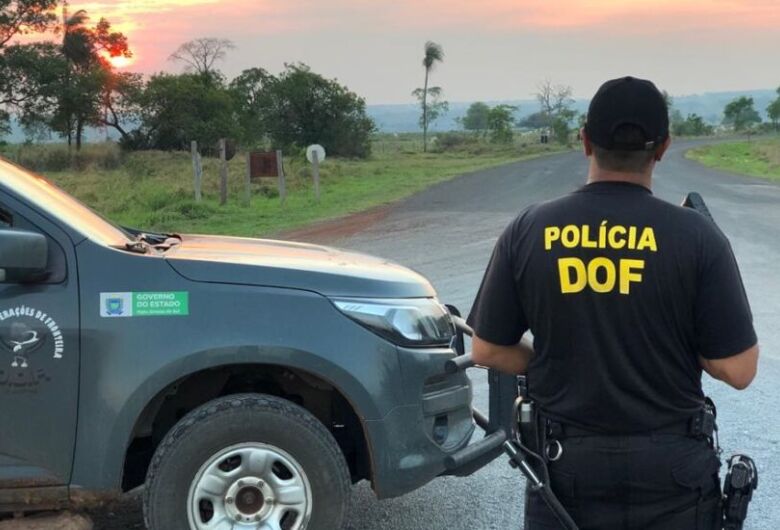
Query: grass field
point(154, 191)
point(759, 158)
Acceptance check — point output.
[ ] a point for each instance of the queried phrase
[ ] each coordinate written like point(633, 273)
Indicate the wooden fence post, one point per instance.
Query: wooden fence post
point(248, 180)
point(315, 163)
point(197, 170)
point(280, 171)
point(223, 172)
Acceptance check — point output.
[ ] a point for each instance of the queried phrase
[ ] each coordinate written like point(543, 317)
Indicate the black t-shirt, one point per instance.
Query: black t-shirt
point(622, 291)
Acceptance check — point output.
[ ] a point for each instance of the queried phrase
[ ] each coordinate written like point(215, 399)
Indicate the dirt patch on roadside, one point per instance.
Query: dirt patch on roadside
point(339, 228)
point(125, 513)
point(63, 521)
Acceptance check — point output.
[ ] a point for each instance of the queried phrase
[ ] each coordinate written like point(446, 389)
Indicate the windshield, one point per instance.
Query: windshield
point(42, 193)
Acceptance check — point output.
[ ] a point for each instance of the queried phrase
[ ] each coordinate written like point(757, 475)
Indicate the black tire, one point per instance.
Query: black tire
point(237, 419)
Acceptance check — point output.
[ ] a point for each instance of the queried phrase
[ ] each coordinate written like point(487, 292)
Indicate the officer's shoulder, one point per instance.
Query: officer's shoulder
point(687, 221)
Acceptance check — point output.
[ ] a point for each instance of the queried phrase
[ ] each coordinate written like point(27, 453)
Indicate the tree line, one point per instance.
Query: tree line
point(290, 110)
point(742, 116)
point(556, 117)
point(66, 85)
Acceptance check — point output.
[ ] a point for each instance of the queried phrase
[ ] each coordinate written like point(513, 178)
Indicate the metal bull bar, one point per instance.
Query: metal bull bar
point(497, 424)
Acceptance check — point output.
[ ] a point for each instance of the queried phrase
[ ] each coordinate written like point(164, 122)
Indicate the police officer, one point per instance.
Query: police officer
point(628, 299)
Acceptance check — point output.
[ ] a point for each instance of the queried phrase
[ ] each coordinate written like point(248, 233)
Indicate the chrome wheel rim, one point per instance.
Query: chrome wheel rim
point(250, 486)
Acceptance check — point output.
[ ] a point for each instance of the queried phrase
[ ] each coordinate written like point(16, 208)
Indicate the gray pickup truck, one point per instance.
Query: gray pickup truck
point(246, 383)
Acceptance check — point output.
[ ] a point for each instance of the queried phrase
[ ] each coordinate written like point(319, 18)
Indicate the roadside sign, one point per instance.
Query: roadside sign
point(263, 164)
point(315, 148)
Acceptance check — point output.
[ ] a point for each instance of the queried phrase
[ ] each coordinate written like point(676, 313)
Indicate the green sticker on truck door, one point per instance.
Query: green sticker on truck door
point(146, 304)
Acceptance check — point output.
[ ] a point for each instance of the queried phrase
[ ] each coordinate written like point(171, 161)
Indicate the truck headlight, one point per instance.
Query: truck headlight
point(412, 322)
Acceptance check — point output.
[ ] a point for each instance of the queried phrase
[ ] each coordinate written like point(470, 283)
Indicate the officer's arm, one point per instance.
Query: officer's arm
point(737, 371)
point(509, 359)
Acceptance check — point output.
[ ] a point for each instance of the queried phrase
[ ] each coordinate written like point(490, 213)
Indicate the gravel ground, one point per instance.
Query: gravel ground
point(447, 233)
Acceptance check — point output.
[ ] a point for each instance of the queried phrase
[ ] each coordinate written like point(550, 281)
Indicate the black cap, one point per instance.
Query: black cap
point(628, 101)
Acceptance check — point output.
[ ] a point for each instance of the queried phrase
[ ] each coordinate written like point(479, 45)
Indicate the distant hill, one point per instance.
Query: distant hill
point(405, 118)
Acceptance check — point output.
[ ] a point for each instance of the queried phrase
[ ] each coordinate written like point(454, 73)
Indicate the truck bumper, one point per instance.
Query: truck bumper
point(407, 462)
point(430, 436)
point(411, 444)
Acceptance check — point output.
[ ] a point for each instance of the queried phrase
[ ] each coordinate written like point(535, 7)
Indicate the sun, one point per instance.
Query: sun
point(121, 61)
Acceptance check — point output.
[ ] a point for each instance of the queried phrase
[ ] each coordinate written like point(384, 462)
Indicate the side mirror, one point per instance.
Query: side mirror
point(23, 255)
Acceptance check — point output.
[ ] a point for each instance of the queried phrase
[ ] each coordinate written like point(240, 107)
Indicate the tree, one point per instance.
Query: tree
point(476, 118)
point(176, 109)
point(561, 125)
point(299, 107)
point(30, 78)
point(88, 76)
point(676, 120)
point(500, 122)
point(252, 97)
point(553, 99)
point(200, 55)
point(741, 114)
point(19, 76)
point(555, 102)
point(80, 85)
point(537, 120)
point(434, 106)
point(434, 54)
point(21, 17)
point(78, 104)
point(122, 99)
point(773, 111)
point(693, 125)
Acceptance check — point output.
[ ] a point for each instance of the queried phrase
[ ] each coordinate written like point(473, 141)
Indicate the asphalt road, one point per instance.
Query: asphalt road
point(448, 232)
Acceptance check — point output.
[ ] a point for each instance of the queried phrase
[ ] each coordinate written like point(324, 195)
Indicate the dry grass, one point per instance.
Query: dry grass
point(759, 158)
point(154, 191)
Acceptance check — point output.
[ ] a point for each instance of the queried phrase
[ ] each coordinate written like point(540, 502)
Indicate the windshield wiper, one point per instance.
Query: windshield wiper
point(159, 241)
point(138, 246)
point(144, 241)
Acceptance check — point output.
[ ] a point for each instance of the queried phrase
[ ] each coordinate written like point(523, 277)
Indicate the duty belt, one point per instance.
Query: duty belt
point(701, 425)
point(694, 427)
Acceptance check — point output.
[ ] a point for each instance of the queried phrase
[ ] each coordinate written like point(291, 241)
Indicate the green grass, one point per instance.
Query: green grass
point(759, 158)
point(153, 190)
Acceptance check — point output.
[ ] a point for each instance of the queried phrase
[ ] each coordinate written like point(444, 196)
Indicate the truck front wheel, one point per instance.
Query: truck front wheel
point(247, 461)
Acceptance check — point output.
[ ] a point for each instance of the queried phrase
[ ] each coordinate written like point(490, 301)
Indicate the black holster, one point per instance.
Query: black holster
point(741, 481)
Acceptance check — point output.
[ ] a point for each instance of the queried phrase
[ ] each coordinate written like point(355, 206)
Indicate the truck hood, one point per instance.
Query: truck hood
point(324, 270)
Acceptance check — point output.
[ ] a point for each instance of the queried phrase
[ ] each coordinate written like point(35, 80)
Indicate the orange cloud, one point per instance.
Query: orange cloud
point(129, 15)
point(663, 14)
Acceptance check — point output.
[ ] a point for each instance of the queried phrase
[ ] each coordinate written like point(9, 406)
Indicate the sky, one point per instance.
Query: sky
point(495, 49)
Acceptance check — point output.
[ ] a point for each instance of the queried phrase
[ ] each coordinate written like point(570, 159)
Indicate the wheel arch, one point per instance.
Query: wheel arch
point(215, 370)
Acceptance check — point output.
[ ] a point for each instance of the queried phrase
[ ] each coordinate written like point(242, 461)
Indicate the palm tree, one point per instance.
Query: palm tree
point(434, 53)
point(76, 50)
point(77, 38)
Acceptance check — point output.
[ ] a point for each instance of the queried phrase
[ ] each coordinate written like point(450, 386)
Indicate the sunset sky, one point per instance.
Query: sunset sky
point(495, 49)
